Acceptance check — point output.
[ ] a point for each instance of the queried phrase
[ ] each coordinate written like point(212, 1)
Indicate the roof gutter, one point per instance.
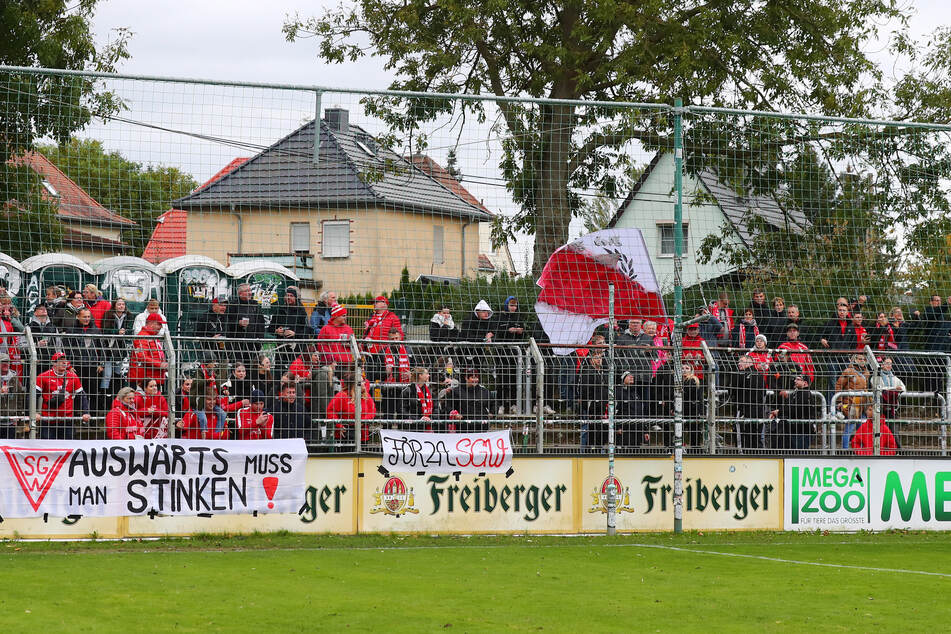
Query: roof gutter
point(240, 231)
point(462, 270)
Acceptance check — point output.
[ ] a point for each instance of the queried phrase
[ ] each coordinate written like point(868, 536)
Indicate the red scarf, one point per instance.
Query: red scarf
point(425, 397)
point(742, 341)
point(887, 340)
point(860, 331)
point(402, 364)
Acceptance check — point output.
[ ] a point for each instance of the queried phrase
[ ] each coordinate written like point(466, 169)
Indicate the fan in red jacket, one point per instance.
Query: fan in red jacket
point(121, 421)
point(148, 357)
point(153, 410)
point(253, 422)
point(380, 323)
point(863, 440)
point(798, 352)
point(339, 332)
point(59, 389)
point(693, 349)
point(96, 304)
point(190, 428)
point(343, 408)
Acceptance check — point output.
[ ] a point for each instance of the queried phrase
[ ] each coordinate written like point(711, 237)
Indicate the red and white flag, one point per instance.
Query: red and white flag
point(574, 286)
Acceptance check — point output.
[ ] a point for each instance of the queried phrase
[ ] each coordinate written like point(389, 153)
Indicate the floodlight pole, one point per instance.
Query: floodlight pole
point(612, 489)
point(678, 318)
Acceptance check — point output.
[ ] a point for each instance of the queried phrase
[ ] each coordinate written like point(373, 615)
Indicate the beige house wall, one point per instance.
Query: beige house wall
point(91, 255)
point(382, 242)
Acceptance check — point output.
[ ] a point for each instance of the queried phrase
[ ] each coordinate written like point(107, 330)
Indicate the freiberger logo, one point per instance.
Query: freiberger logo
point(394, 499)
point(35, 470)
point(599, 498)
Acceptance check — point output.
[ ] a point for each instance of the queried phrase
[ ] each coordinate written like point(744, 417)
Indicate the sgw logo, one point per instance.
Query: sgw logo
point(35, 470)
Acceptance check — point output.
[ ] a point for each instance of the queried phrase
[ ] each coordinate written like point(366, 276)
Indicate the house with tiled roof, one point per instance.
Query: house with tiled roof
point(492, 260)
point(340, 209)
point(710, 207)
point(170, 236)
point(90, 231)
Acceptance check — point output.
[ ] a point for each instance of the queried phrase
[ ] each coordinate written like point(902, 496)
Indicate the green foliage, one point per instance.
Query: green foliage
point(803, 55)
point(597, 213)
point(140, 193)
point(49, 34)
point(421, 299)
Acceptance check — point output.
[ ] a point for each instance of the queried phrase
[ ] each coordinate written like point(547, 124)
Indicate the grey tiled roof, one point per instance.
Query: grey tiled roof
point(737, 208)
point(284, 175)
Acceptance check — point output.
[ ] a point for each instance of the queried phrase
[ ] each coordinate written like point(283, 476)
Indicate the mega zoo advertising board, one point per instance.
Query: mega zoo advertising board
point(541, 495)
point(871, 494)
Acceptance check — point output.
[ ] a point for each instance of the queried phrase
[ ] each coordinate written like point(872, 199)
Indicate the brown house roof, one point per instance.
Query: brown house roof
point(74, 204)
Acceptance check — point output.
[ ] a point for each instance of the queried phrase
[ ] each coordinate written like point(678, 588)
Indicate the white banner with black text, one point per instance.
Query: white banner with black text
point(140, 477)
point(490, 452)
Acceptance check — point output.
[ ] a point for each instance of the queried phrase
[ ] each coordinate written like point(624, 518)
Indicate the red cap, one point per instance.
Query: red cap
point(380, 298)
point(155, 317)
point(59, 355)
point(338, 311)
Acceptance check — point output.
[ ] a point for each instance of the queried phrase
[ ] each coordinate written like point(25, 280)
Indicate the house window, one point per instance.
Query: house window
point(665, 234)
point(302, 264)
point(300, 237)
point(336, 239)
point(439, 255)
point(48, 186)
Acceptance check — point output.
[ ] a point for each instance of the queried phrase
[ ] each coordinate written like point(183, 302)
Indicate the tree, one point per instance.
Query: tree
point(49, 34)
point(140, 193)
point(800, 55)
point(597, 213)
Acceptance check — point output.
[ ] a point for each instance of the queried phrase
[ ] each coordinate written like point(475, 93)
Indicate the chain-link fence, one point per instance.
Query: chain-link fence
point(260, 222)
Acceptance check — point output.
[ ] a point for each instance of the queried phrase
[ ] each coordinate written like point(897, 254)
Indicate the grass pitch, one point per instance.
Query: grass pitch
point(657, 582)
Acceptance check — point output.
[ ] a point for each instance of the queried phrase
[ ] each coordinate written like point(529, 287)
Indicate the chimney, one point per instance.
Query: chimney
point(337, 119)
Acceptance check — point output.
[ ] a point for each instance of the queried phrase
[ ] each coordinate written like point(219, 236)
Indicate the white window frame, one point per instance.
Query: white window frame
point(334, 251)
point(300, 226)
point(665, 226)
point(439, 244)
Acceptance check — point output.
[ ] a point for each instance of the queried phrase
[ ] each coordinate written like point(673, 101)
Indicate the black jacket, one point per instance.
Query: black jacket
point(212, 324)
point(839, 337)
point(748, 393)
point(592, 390)
point(410, 407)
point(290, 317)
point(291, 420)
point(472, 402)
point(83, 346)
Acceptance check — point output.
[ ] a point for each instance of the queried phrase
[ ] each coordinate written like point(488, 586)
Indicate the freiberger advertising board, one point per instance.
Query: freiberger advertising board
point(852, 495)
point(536, 498)
point(719, 494)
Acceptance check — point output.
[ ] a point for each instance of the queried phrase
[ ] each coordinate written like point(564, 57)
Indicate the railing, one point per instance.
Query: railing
point(552, 403)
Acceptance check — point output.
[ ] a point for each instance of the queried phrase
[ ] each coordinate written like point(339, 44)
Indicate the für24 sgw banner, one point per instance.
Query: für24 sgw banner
point(169, 477)
point(851, 495)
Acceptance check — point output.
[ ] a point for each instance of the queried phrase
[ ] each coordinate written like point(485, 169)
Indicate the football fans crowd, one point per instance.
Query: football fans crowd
point(777, 371)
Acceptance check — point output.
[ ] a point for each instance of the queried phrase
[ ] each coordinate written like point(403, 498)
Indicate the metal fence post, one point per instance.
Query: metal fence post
point(612, 490)
point(519, 379)
point(712, 375)
point(31, 388)
point(357, 396)
point(678, 497)
point(171, 383)
point(876, 400)
point(539, 396)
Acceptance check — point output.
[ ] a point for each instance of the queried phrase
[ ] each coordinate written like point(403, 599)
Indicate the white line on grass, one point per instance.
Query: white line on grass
point(784, 561)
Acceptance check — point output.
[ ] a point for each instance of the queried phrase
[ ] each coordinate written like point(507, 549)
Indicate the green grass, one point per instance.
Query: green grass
point(655, 582)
